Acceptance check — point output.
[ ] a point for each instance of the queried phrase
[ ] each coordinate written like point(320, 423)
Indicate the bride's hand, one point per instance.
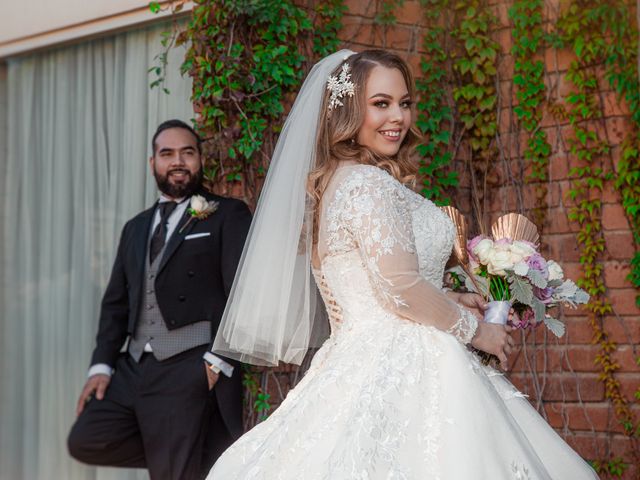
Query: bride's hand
point(494, 339)
point(474, 303)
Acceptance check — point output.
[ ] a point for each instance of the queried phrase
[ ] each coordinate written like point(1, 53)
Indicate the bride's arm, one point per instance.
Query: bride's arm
point(372, 210)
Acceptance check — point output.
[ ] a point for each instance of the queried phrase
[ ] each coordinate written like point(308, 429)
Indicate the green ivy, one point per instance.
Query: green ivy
point(475, 96)
point(258, 397)
point(247, 58)
point(528, 78)
point(434, 115)
point(385, 16)
point(592, 31)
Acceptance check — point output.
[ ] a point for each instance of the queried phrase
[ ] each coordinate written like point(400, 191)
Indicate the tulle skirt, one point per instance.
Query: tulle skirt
point(400, 401)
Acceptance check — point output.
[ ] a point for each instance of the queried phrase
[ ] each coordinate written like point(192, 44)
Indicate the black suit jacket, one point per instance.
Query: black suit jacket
point(192, 284)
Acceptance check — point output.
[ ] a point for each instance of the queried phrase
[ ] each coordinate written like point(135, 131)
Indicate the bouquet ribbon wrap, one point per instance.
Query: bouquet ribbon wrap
point(497, 312)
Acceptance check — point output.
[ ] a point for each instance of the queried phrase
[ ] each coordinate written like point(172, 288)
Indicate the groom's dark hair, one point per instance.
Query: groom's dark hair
point(175, 124)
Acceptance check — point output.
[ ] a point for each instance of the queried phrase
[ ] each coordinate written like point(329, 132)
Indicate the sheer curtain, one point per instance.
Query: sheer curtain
point(80, 120)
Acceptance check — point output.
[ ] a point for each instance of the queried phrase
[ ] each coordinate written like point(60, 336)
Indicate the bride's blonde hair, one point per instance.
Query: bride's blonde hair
point(338, 129)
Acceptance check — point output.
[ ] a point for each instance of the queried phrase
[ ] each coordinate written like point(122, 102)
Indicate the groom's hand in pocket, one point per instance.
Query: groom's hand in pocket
point(212, 377)
point(96, 384)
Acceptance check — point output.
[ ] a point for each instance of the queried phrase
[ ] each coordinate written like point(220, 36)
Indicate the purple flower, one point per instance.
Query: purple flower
point(524, 320)
point(543, 294)
point(537, 262)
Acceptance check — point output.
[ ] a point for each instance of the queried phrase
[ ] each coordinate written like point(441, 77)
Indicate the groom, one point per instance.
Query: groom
point(163, 401)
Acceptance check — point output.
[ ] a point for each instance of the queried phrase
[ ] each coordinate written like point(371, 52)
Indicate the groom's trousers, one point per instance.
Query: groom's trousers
point(155, 415)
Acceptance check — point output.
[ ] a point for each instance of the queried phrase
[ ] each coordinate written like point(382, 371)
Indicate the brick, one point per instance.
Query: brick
point(614, 217)
point(360, 8)
point(617, 129)
point(579, 331)
point(503, 37)
point(613, 105)
point(623, 330)
point(619, 245)
point(558, 222)
point(615, 274)
point(505, 66)
point(610, 194)
point(588, 445)
point(565, 86)
point(501, 12)
point(629, 383)
point(623, 301)
point(586, 417)
point(558, 60)
point(359, 31)
point(411, 13)
point(625, 356)
point(558, 167)
point(399, 37)
point(564, 248)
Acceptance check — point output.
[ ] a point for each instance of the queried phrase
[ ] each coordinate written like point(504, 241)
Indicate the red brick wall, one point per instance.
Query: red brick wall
point(559, 375)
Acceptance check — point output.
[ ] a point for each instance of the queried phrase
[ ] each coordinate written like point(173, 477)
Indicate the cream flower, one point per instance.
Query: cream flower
point(498, 261)
point(482, 249)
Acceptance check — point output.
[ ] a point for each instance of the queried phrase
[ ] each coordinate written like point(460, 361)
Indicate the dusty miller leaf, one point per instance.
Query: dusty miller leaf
point(537, 279)
point(521, 290)
point(539, 310)
point(556, 326)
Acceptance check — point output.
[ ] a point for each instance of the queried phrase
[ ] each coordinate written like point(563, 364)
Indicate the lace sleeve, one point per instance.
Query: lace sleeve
point(371, 211)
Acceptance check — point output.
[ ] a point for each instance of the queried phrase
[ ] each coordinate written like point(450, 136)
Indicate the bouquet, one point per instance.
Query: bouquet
point(508, 270)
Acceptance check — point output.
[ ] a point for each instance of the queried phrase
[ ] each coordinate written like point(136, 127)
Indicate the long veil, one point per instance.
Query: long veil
point(273, 312)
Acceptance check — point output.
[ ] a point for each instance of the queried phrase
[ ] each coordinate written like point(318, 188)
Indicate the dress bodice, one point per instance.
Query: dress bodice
point(378, 239)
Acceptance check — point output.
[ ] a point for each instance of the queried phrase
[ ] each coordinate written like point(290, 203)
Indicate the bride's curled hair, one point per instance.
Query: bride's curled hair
point(338, 127)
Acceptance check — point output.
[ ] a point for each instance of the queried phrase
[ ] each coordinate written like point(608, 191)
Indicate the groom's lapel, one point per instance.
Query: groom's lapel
point(182, 230)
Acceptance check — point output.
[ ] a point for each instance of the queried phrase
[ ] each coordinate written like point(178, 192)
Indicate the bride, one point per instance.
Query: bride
point(394, 392)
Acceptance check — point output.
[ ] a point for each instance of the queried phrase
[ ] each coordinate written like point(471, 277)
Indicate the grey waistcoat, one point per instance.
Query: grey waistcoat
point(152, 329)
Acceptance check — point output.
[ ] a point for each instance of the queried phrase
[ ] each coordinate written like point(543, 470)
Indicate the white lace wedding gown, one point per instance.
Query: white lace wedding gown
point(387, 397)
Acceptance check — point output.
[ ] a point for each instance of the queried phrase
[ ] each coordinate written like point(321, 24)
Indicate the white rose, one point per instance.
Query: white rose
point(198, 203)
point(522, 249)
point(498, 262)
point(555, 270)
point(482, 249)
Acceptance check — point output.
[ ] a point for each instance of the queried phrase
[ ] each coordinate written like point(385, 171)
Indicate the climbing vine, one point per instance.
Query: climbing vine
point(247, 59)
point(434, 115)
point(474, 92)
point(528, 78)
point(586, 30)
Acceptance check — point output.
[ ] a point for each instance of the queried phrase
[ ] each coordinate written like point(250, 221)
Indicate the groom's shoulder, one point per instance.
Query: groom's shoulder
point(227, 204)
point(140, 217)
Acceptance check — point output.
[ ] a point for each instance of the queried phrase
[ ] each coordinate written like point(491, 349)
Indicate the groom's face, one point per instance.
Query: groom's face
point(176, 163)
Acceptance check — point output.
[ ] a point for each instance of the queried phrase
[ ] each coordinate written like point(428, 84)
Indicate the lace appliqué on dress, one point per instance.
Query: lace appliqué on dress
point(371, 201)
point(465, 328)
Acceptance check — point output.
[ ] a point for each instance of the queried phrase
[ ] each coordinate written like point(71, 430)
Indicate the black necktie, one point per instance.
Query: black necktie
point(160, 232)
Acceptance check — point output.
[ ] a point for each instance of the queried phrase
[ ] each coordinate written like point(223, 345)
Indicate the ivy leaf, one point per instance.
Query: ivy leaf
point(154, 7)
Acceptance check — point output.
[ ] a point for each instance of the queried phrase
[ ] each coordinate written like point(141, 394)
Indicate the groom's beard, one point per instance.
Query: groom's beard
point(179, 190)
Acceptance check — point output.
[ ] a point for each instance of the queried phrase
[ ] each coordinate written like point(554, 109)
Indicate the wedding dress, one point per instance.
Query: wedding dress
point(387, 397)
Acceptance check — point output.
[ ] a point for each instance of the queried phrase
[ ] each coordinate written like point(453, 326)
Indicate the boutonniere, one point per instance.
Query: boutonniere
point(199, 208)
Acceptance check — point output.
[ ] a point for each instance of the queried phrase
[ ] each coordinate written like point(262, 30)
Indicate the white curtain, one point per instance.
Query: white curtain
point(80, 119)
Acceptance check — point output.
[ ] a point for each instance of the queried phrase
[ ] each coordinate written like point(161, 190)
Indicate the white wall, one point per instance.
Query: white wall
point(28, 25)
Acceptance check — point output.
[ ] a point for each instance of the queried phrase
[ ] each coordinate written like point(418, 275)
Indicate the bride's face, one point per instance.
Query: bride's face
point(388, 111)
